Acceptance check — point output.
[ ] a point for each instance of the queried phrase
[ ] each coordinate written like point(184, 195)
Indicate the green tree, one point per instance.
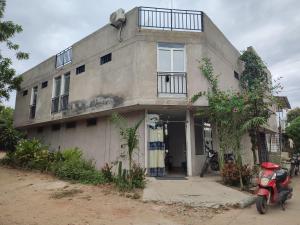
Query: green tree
point(9, 136)
point(293, 131)
point(226, 112)
point(258, 89)
point(293, 114)
point(8, 79)
point(130, 138)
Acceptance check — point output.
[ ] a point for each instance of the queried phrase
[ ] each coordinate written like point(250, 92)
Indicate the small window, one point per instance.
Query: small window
point(105, 59)
point(70, 125)
point(25, 92)
point(40, 129)
point(55, 127)
point(91, 122)
point(236, 75)
point(44, 84)
point(80, 69)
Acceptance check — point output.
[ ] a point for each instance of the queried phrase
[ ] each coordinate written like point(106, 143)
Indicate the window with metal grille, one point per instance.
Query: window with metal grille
point(80, 69)
point(105, 59)
point(91, 122)
point(70, 125)
point(64, 57)
point(44, 84)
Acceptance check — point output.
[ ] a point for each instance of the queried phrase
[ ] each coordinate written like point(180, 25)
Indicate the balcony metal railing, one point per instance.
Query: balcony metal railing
point(170, 19)
point(32, 111)
point(64, 101)
point(64, 57)
point(172, 83)
point(55, 104)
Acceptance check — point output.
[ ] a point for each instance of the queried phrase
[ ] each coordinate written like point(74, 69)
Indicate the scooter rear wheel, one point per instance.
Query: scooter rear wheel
point(261, 204)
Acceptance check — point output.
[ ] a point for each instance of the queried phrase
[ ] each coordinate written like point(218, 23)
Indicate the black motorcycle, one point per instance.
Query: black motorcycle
point(211, 160)
point(295, 161)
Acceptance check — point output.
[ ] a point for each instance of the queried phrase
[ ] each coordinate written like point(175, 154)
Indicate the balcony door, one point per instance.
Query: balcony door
point(171, 72)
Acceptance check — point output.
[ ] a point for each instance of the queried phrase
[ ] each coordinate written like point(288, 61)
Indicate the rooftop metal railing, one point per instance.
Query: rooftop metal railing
point(170, 19)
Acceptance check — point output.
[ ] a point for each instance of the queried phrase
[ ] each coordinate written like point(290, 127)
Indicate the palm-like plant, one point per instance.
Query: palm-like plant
point(129, 136)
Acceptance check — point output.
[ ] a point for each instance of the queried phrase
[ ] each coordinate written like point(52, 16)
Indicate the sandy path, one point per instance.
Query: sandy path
point(26, 198)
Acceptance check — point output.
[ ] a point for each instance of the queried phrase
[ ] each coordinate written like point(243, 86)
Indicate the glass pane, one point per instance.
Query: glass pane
point(67, 84)
point(164, 64)
point(178, 60)
point(59, 60)
point(57, 87)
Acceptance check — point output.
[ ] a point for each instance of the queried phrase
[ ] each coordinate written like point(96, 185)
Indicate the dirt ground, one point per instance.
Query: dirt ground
point(32, 198)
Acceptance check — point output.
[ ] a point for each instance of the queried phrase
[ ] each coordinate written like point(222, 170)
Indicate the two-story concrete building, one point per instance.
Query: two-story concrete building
point(144, 64)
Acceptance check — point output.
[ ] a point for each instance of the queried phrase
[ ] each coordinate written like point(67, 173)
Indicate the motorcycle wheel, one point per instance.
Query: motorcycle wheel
point(261, 204)
point(214, 166)
point(204, 169)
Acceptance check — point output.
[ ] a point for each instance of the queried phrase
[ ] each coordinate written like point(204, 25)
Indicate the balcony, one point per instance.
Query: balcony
point(32, 111)
point(55, 104)
point(171, 84)
point(63, 58)
point(64, 101)
point(170, 19)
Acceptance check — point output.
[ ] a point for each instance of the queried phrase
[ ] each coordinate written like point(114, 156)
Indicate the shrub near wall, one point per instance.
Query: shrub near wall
point(71, 165)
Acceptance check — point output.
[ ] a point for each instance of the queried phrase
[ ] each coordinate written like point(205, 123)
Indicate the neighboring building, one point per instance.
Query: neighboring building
point(286, 144)
point(146, 67)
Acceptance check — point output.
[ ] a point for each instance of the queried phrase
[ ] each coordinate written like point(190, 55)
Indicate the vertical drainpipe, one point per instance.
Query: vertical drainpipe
point(188, 143)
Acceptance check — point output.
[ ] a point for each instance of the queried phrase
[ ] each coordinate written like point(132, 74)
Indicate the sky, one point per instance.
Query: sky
point(271, 27)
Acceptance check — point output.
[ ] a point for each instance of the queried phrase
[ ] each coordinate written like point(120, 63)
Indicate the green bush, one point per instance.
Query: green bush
point(231, 174)
point(73, 166)
point(107, 173)
point(122, 179)
point(30, 154)
point(138, 176)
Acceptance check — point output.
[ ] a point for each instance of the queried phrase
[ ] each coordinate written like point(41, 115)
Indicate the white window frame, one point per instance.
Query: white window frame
point(62, 87)
point(172, 49)
point(32, 94)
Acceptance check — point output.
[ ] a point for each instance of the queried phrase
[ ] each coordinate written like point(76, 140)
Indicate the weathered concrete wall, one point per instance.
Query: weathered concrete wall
point(101, 142)
point(131, 77)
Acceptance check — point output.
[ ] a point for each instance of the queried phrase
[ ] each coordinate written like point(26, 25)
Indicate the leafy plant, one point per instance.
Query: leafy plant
point(9, 136)
point(8, 30)
point(107, 173)
point(231, 173)
point(293, 131)
point(30, 154)
point(130, 138)
point(293, 114)
point(73, 166)
point(258, 90)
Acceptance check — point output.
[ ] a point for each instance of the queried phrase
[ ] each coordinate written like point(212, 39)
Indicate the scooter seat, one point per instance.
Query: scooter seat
point(281, 175)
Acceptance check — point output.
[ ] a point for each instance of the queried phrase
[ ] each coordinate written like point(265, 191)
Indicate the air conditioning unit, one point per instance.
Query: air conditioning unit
point(118, 18)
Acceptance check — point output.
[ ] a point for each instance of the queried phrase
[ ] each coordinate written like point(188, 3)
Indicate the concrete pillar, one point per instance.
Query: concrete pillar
point(188, 143)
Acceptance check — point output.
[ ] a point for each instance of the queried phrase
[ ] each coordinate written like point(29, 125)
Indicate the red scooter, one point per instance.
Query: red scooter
point(274, 187)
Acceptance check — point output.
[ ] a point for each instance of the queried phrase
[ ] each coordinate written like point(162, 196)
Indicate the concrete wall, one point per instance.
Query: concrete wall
point(130, 79)
point(101, 143)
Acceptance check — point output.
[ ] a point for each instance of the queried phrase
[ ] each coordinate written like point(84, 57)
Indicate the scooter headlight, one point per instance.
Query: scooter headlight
point(264, 181)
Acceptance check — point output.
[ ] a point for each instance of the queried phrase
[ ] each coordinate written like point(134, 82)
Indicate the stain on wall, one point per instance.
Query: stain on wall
point(103, 102)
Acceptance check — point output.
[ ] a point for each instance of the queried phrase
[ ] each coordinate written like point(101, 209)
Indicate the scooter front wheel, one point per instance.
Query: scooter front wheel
point(261, 204)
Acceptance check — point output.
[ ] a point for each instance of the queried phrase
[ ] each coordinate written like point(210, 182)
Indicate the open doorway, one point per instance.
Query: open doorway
point(172, 125)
